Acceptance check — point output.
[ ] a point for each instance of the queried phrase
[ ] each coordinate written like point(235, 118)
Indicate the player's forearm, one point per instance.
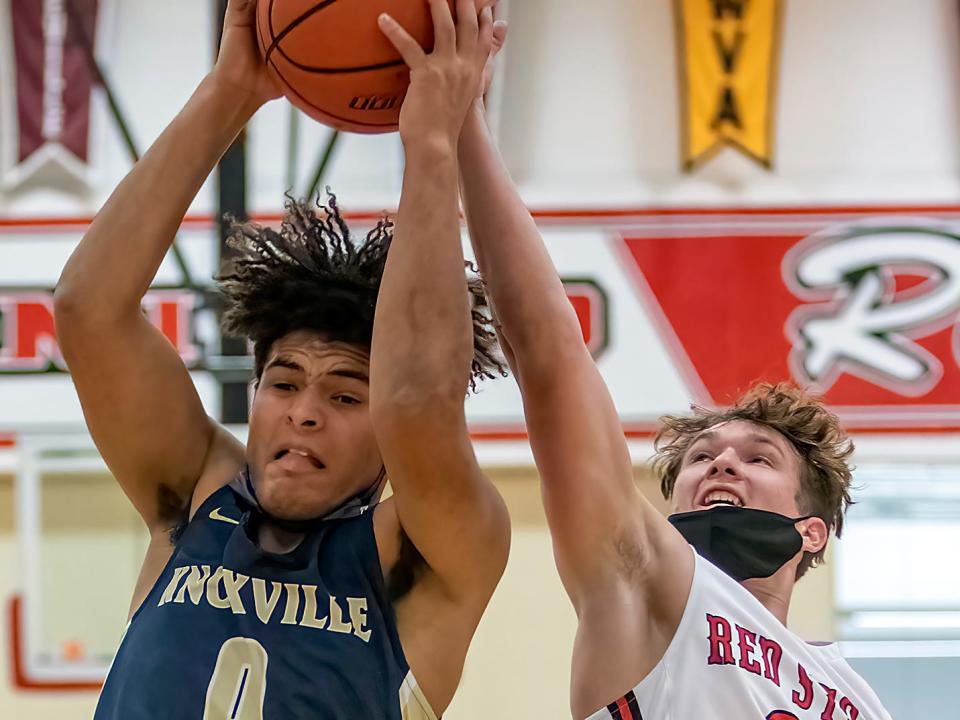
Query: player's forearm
point(524, 288)
point(422, 339)
point(116, 261)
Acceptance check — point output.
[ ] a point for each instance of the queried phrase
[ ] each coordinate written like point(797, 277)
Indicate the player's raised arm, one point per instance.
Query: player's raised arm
point(423, 332)
point(594, 508)
point(138, 399)
point(620, 561)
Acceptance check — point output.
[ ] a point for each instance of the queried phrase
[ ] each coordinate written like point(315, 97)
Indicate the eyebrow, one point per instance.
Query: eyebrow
point(354, 374)
point(752, 437)
point(284, 362)
point(291, 364)
point(764, 440)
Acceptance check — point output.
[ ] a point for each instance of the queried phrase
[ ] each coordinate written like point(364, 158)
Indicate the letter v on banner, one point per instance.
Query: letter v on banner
point(53, 87)
point(728, 53)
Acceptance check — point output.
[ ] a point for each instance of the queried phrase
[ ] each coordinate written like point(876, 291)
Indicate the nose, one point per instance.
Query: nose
point(304, 413)
point(726, 464)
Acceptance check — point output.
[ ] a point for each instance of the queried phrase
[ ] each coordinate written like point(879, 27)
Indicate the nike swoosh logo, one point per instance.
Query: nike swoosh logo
point(215, 515)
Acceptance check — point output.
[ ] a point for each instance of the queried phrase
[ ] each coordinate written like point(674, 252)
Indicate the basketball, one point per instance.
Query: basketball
point(333, 62)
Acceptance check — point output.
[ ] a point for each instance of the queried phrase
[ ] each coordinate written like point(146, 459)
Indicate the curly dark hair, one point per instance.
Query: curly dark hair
point(312, 275)
point(823, 446)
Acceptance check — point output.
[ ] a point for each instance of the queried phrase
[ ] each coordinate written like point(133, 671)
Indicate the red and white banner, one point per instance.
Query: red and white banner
point(678, 306)
point(862, 309)
point(53, 83)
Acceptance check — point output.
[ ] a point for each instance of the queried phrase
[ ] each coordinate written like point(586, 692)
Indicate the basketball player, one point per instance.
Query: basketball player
point(287, 591)
point(683, 618)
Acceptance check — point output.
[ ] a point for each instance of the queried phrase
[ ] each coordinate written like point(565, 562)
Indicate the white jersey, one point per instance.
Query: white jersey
point(731, 659)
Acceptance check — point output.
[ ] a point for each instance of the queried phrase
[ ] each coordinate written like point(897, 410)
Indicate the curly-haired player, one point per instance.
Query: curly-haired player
point(666, 630)
point(276, 584)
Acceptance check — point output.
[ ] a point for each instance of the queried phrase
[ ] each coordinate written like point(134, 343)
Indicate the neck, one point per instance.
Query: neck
point(774, 592)
point(276, 540)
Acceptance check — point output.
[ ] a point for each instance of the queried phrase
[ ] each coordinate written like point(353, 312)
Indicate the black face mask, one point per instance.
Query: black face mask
point(743, 542)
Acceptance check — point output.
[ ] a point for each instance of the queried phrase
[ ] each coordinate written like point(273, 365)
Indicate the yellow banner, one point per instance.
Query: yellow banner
point(728, 52)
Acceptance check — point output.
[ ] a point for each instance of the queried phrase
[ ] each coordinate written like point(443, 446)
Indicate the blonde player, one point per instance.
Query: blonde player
point(683, 618)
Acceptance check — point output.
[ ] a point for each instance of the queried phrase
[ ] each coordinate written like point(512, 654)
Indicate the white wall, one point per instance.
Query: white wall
point(867, 112)
point(867, 109)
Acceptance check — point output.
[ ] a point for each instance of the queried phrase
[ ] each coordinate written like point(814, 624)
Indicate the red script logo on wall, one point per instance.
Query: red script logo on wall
point(865, 312)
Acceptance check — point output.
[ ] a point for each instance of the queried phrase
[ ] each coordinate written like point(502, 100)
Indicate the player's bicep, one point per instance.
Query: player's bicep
point(142, 410)
point(581, 453)
point(601, 524)
point(445, 504)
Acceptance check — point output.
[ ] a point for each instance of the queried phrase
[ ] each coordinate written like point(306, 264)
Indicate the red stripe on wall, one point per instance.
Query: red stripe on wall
point(571, 213)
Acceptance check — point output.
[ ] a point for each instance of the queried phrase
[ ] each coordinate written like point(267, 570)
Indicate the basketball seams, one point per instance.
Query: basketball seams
point(319, 109)
point(275, 45)
point(376, 89)
point(338, 71)
point(292, 25)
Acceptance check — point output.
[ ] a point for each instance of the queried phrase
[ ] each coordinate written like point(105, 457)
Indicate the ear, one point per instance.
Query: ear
point(815, 534)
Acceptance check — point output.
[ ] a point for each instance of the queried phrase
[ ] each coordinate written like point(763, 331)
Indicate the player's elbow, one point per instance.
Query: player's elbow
point(547, 342)
point(68, 314)
point(414, 403)
point(434, 380)
point(75, 301)
point(66, 299)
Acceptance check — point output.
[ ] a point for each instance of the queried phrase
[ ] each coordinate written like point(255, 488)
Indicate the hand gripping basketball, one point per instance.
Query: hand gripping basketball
point(334, 63)
point(238, 63)
point(445, 82)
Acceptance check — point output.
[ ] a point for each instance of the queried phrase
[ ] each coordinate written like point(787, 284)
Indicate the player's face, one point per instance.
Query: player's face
point(739, 463)
point(311, 443)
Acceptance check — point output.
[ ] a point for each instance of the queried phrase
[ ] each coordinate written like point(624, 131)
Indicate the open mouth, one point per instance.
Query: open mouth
point(719, 497)
point(301, 453)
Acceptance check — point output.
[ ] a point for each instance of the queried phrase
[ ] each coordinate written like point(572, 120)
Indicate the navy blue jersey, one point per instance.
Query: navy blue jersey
point(231, 632)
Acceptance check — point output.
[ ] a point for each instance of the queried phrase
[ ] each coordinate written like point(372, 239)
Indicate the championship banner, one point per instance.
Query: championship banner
point(53, 84)
point(728, 52)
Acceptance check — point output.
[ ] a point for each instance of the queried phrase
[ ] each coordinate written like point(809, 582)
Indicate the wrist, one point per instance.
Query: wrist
point(434, 146)
point(474, 127)
point(236, 100)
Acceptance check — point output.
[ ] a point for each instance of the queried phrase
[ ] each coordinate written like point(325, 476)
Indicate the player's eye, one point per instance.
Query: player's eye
point(346, 399)
point(283, 386)
point(760, 460)
point(700, 457)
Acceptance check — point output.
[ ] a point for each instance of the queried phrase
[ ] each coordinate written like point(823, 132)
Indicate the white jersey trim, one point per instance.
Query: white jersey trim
point(413, 704)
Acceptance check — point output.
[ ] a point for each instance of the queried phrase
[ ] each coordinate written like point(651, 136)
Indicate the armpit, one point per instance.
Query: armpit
point(631, 556)
point(406, 571)
point(173, 511)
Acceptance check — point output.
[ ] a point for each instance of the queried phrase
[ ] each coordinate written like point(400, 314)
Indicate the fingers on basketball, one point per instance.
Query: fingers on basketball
point(409, 49)
point(467, 25)
point(241, 12)
point(485, 41)
point(444, 29)
point(500, 29)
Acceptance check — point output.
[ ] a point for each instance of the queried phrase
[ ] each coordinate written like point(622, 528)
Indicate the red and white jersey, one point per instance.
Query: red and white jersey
point(731, 659)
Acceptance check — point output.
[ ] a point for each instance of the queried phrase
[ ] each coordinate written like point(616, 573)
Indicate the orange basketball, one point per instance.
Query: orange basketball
point(333, 62)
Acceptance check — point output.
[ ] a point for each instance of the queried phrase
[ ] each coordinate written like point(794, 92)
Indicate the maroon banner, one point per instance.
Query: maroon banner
point(53, 77)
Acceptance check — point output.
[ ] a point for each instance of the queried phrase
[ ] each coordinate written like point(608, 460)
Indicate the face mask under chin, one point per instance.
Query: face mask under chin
point(354, 506)
point(743, 542)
